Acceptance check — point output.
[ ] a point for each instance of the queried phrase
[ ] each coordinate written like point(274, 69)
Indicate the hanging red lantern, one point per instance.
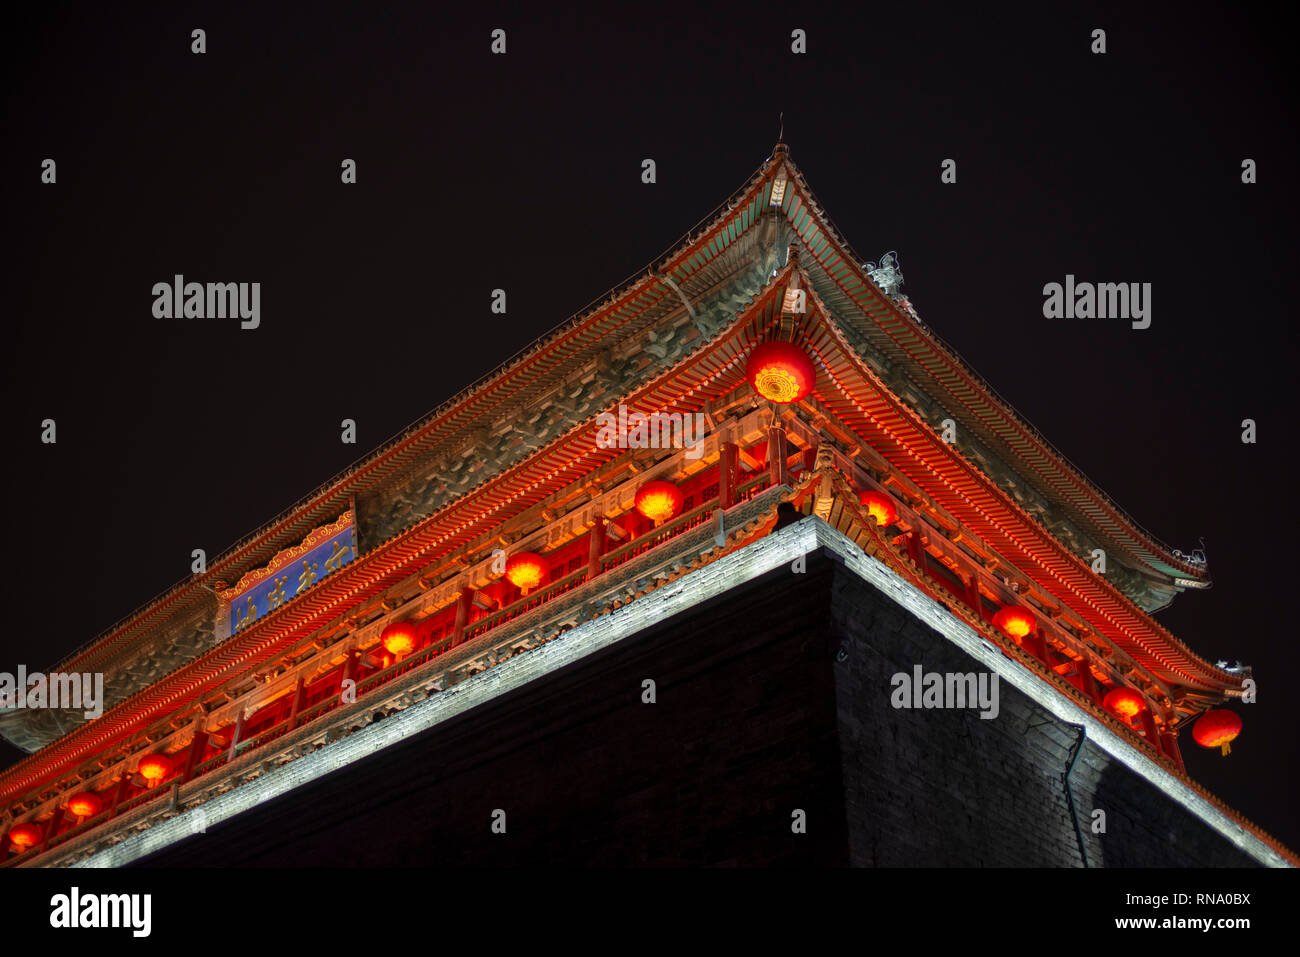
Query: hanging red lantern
point(1125, 702)
point(85, 804)
point(154, 768)
point(1217, 729)
point(399, 638)
point(659, 501)
point(526, 571)
point(1015, 622)
point(781, 372)
point(879, 506)
point(25, 835)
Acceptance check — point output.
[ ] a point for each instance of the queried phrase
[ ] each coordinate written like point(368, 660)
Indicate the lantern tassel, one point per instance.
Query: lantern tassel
point(1226, 749)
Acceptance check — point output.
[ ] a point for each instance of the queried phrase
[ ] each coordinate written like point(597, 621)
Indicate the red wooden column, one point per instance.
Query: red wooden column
point(1149, 726)
point(914, 550)
point(973, 597)
point(596, 549)
point(195, 755)
point(1084, 668)
point(463, 605)
point(727, 463)
point(120, 793)
point(1038, 645)
point(1169, 742)
point(235, 735)
point(53, 828)
point(777, 472)
point(297, 703)
point(350, 668)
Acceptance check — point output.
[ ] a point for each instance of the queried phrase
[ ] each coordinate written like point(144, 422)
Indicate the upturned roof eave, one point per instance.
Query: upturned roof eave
point(843, 266)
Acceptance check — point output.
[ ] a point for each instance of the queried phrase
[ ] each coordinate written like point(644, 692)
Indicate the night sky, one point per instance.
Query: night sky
point(522, 172)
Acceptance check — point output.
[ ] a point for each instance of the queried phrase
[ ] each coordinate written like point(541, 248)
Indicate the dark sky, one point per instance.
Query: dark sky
point(523, 172)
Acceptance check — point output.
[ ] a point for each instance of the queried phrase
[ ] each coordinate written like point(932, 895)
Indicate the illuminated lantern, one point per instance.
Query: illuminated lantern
point(1217, 729)
point(25, 835)
point(526, 571)
point(399, 638)
point(85, 804)
point(659, 501)
point(880, 507)
point(1014, 622)
point(781, 372)
point(1124, 702)
point(154, 768)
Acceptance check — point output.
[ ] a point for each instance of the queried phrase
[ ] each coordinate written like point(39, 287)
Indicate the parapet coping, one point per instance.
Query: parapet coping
point(779, 548)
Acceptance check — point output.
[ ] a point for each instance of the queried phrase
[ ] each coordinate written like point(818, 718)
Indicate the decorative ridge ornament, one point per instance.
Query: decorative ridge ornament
point(888, 275)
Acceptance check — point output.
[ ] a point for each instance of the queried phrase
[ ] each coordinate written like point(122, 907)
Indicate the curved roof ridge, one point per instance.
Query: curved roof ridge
point(837, 235)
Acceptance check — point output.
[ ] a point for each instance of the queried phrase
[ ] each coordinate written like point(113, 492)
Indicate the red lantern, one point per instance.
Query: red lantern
point(25, 835)
point(781, 372)
point(86, 804)
point(1124, 702)
point(154, 768)
point(659, 501)
point(1217, 729)
point(1015, 622)
point(526, 571)
point(880, 507)
point(399, 638)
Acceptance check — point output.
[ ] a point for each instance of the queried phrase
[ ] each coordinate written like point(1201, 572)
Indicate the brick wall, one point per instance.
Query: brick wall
point(946, 787)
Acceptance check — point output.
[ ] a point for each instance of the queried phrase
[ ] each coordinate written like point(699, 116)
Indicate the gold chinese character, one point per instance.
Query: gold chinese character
point(307, 577)
point(242, 621)
point(335, 561)
point(276, 595)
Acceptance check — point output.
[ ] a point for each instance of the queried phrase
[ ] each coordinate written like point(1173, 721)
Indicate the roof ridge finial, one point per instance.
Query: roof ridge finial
point(780, 149)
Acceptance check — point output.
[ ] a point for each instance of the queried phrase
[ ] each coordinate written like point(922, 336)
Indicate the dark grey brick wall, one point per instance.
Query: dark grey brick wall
point(946, 787)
